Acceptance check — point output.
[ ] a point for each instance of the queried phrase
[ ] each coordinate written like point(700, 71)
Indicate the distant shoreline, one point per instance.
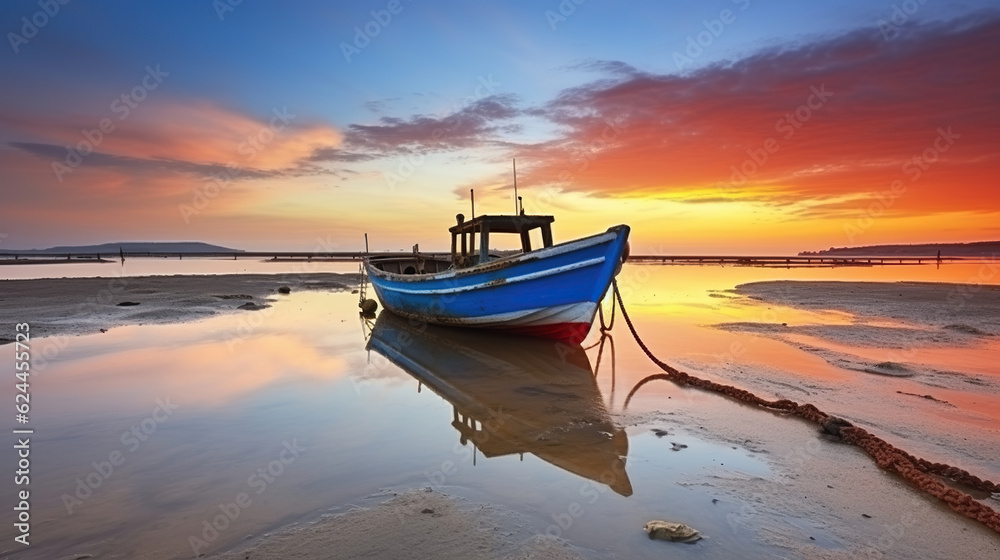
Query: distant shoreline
point(979, 249)
point(127, 247)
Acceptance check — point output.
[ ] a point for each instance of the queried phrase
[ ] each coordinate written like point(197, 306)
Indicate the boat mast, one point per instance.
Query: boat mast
point(514, 160)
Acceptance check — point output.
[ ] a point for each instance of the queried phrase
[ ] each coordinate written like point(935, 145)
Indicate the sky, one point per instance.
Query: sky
point(710, 127)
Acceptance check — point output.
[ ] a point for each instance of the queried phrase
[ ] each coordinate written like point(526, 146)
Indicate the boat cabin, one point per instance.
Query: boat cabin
point(464, 249)
point(463, 235)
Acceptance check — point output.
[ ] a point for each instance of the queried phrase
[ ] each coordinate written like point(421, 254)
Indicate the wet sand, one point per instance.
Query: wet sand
point(419, 523)
point(925, 358)
point(75, 306)
point(824, 500)
point(900, 329)
point(952, 310)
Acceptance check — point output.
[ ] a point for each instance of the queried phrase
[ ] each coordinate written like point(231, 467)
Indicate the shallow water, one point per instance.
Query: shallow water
point(307, 409)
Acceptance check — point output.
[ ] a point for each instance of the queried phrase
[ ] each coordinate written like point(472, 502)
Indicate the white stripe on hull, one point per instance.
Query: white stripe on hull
point(582, 312)
point(511, 280)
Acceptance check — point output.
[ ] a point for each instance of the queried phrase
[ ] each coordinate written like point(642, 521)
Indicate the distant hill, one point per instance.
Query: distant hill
point(978, 249)
point(134, 247)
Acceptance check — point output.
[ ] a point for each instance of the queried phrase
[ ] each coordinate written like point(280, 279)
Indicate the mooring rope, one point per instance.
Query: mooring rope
point(915, 470)
point(600, 311)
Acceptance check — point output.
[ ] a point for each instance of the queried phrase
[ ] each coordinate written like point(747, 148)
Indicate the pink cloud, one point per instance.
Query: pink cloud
point(180, 136)
point(818, 120)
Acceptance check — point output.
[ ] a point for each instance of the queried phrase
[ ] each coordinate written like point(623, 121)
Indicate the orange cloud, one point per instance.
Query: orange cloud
point(127, 180)
point(206, 133)
point(831, 122)
point(174, 135)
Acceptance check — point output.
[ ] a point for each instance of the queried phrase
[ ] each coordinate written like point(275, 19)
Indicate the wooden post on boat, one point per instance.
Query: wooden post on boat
point(484, 243)
point(454, 239)
point(461, 220)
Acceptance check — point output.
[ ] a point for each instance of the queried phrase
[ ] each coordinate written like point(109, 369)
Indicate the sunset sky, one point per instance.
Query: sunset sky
point(726, 126)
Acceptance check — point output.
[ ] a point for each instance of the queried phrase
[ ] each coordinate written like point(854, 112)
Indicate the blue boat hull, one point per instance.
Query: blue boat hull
point(551, 292)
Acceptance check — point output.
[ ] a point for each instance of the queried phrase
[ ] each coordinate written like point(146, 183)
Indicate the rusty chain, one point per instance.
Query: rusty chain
point(915, 470)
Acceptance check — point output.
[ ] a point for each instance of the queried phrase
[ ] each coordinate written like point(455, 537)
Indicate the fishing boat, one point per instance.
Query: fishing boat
point(552, 291)
point(512, 395)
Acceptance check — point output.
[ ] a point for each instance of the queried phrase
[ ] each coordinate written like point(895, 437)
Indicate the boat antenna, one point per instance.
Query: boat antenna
point(472, 195)
point(516, 198)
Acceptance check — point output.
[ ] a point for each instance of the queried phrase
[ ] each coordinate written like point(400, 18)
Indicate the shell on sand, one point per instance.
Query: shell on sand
point(671, 531)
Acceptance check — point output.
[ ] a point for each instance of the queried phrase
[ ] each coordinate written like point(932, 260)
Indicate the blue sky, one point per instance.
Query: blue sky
point(428, 57)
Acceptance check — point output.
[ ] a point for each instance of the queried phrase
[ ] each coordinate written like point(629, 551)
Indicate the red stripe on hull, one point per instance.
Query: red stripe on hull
point(571, 333)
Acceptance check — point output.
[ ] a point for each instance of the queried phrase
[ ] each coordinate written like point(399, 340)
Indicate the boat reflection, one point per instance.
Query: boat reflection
point(513, 394)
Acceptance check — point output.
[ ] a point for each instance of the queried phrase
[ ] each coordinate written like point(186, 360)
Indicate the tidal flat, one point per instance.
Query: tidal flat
point(299, 429)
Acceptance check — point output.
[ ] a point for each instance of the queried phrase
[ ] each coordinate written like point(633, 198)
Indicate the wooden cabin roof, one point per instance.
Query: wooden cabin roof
point(502, 224)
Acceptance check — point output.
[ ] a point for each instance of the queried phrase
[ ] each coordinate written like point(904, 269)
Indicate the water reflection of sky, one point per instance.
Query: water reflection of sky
point(303, 376)
point(245, 385)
